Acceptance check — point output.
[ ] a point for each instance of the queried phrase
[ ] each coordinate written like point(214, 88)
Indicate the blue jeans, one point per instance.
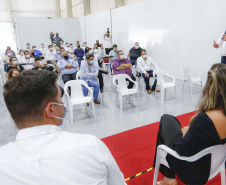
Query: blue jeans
point(134, 62)
point(96, 86)
point(111, 62)
point(79, 62)
point(146, 80)
point(223, 60)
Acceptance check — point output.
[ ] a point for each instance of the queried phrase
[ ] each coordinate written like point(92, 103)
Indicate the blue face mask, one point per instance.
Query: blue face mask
point(64, 112)
point(15, 63)
point(91, 62)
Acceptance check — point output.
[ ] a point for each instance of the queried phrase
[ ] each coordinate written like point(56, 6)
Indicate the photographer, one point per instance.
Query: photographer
point(52, 37)
point(107, 38)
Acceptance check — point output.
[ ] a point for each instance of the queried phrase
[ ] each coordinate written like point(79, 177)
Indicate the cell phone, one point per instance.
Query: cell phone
point(48, 61)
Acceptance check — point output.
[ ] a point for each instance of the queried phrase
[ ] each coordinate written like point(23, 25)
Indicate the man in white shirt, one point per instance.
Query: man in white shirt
point(27, 61)
point(221, 43)
point(108, 45)
point(42, 153)
point(146, 66)
point(66, 47)
point(28, 47)
point(50, 53)
point(43, 49)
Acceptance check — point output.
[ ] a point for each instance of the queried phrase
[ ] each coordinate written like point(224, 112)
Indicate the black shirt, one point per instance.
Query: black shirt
point(11, 67)
point(201, 135)
point(135, 53)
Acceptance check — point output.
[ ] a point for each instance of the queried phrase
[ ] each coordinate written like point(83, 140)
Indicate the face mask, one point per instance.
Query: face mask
point(137, 47)
point(27, 56)
point(85, 45)
point(15, 63)
point(91, 62)
point(42, 46)
point(21, 53)
point(78, 46)
point(144, 56)
point(34, 48)
point(54, 45)
point(50, 49)
point(9, 54)
point(57, 35)
point(28, 47)
point(71, 46)
point(64, 112)
point(67, 44)
point(121, 56)
point(58, 51)
point(66, 57)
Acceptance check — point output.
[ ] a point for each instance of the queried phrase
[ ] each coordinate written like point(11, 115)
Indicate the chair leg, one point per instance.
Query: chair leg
point(94, 114)
point(71, 113)
point(157, 166)
point(120, 99)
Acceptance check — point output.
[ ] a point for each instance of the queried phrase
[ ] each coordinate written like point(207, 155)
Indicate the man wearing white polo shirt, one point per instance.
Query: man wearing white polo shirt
point(146, 66)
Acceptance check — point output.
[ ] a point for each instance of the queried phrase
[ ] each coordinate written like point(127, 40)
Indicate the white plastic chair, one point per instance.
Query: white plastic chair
point(77, 96)
point(160, 73)
point(192, 76)
point(122, 89)
point(217, 152)
point(78, 77)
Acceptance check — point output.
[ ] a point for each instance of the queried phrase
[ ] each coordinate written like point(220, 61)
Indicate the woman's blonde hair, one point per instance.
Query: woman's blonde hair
point(214, 92)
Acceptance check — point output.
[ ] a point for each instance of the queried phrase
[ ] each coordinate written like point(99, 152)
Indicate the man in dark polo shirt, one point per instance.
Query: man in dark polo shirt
point(59, 41)
point(134, 53)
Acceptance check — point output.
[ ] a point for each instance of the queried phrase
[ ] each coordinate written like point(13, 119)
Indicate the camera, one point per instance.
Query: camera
point(108, 30)
point(49, 61)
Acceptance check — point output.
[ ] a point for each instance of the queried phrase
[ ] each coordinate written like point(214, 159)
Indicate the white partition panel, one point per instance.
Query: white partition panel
point(96, 26)
point(37, 30)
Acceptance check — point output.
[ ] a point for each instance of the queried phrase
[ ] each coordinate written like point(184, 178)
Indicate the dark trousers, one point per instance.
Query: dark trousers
point(107, 50)
point(169, 132)
point(130, 86)
point(101, 80)
point(223, 60)
point(68, 77)
point(146, 80)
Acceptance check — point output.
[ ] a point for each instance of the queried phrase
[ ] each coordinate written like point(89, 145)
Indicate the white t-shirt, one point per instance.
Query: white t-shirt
point(49, 156)
point(107, 42)
point(24, 60)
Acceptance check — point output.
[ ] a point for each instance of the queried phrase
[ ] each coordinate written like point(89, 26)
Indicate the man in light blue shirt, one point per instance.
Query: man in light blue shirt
point(113, 54)
point(89, 72)
point(58, 55)
point(68, 67)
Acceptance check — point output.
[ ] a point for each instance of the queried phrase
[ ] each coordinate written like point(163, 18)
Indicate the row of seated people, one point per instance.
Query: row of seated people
point(44, 154)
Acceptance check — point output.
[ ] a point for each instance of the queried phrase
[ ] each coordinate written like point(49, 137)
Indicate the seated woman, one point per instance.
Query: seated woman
point(207, 128)
point(14, 64)
point(12, 73)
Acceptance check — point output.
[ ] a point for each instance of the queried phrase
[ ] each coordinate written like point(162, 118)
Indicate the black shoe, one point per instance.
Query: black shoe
point(103, 71)
point(101, 90)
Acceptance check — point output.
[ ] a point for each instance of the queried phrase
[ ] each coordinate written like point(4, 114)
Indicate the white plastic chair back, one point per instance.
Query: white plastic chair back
point(218, 156)
point(120, 81)
point(76, 88)
point(187, 72)
point(160, 73)
point(78, 75)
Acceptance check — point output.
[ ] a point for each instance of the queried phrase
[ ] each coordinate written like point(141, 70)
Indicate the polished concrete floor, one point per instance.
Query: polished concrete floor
point(109, 120)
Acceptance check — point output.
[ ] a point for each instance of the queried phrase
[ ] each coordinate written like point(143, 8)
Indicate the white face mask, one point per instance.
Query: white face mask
point(28, 47)
point(121, 56)
point(137, 47)
point(50, 49)
point(64, 112)
point(54, 45)
point(144, 56)
point(71, 46)
point(9, 54)
point(58, 51)
point(85, 45)
point(21, 53)
point(27, 56)
point(42, 46)
point(34, 48)
point(67, 44)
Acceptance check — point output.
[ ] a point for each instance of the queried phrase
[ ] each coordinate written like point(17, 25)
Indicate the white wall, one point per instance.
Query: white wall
point(175, 33)
point(37, 30)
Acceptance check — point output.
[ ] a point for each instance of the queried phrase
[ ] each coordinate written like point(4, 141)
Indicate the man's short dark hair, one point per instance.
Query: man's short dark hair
point(26, 51)
point(49, 45)
point(143, 50)
point(88, 56)
point(27, 94)
point(115, 45)
point(38, 58)
point(97, 40)
point(87, 49)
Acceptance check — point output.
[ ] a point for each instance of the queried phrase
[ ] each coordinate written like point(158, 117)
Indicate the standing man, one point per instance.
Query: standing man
point(42, 153)
point(68, 67)
point(58, 40)
point(89, 72)
point(123, 66)
point(108, 46)
point(221, 43)
point(134, 53)
point(79, 54)
point(146, 66)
